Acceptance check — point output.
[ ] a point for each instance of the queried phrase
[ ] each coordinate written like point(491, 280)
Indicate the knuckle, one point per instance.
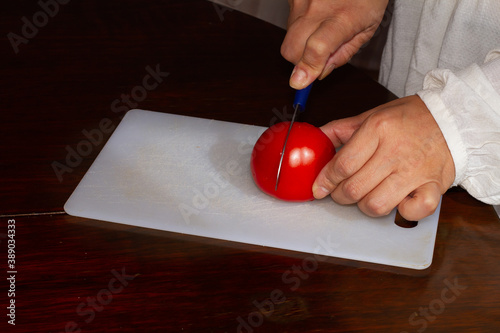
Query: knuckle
point(344, 167)
point(352, 190)
point(284, 51)
point(328, 181)
point(382, 122)
point(288, 53)
point(318, 45)
point(428, 206)
point(315, 55)
point(376, 207)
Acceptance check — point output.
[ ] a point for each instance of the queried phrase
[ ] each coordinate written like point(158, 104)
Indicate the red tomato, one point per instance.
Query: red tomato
point(307, 151)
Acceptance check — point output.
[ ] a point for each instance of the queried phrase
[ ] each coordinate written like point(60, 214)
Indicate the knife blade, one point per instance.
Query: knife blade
point(299, 105)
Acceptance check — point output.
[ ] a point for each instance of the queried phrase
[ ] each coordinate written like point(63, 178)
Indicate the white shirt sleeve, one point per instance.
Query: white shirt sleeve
point(466, 106)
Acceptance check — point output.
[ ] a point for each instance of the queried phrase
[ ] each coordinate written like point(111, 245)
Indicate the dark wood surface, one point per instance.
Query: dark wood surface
point(63, 83)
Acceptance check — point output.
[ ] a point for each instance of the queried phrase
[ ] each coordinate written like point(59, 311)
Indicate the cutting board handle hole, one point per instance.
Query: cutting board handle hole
point(404, 223)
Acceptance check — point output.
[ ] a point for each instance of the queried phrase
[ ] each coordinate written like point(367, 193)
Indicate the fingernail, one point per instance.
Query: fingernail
point(319, 192)
point(298, 78)
point(327, 71)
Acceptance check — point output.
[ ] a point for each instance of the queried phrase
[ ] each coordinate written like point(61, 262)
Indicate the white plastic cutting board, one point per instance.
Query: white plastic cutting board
point(192, 175)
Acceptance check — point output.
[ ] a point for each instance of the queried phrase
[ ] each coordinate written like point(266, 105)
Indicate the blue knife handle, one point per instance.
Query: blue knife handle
point(301, 98)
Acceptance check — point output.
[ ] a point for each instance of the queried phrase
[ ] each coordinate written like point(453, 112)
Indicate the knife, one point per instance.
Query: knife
point(299, 105)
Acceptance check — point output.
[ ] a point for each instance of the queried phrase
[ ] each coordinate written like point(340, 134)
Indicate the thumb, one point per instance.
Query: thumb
point(420, 203)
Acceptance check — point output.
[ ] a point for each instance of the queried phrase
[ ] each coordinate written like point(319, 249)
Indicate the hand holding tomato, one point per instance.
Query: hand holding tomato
point(393, 155)
point(308, 150)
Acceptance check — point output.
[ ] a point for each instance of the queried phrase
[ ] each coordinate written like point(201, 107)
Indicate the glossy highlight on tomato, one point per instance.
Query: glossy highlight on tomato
point(308, 150)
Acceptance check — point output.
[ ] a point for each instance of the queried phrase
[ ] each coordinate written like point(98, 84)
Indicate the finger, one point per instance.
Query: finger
point(343, 54)
point(296, 37)
point(386, 196)
point(320, 45)
point(374, 171)
point(330, 65)
point(420, 203)
point(346, 162)
point(340, 131)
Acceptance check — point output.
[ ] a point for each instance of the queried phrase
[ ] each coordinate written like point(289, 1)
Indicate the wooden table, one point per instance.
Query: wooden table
point(71, 69)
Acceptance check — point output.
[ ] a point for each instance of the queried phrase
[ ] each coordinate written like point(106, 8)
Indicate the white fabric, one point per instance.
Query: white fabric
point(429, 34)
point(445, 52)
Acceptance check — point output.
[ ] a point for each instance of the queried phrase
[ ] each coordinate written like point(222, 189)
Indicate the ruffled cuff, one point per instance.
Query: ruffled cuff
point(466, 106)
